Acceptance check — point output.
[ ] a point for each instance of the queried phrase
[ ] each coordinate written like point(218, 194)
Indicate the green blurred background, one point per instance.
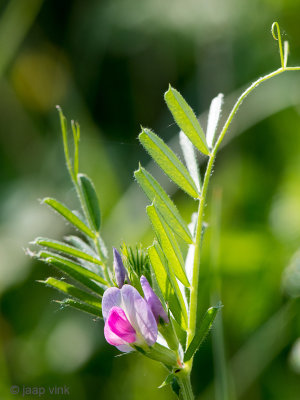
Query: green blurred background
point(108, 63)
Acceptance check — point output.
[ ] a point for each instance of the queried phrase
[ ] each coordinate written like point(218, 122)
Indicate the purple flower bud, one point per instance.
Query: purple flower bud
point(120, 271)
point(128, 319)
point(153, 301)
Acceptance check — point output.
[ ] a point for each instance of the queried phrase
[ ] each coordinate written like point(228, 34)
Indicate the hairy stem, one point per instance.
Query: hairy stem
point(186, 392)
point(196, 265)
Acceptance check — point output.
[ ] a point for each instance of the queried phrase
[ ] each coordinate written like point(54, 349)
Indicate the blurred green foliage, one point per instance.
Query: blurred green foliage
point(108, 63)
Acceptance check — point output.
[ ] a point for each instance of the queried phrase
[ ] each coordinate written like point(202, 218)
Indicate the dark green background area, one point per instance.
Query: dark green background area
point(108, 63)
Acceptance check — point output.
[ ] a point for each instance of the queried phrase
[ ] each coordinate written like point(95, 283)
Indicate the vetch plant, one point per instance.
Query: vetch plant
point(148, 298)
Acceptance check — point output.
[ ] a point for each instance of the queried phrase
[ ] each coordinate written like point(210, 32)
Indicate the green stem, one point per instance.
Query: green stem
point(278, 37)
point(202, 200)
point(186, 391)
point(218, 345)
point(160, 353)
point(73, 174)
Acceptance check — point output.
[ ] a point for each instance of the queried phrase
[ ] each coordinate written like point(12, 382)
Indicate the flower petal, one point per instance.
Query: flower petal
point(120, 272)
point(119, 325)
point(139, 314)
point(114, 339)
point(111, 298)
point(111, 337)
point(153, 301)
point(125, 348)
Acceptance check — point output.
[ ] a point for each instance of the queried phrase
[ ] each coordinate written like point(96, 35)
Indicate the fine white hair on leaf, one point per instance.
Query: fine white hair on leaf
point(213, 118)
point(190, 158)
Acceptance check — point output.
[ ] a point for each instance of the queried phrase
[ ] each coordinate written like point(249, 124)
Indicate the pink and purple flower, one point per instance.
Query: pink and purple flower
point(131, 320)
point(128, 319)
